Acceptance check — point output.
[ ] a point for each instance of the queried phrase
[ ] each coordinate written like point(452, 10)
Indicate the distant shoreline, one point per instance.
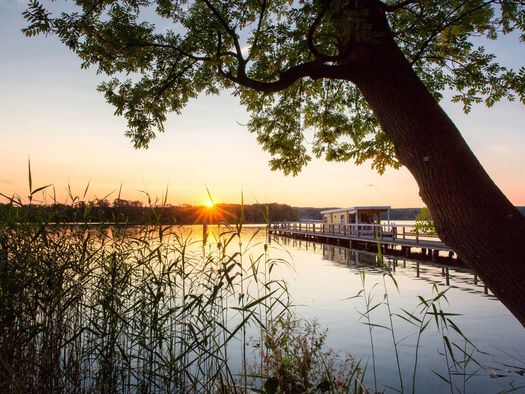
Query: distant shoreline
point(123, 212)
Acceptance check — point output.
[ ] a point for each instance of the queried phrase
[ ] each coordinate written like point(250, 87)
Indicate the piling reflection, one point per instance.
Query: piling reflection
point(455, 276)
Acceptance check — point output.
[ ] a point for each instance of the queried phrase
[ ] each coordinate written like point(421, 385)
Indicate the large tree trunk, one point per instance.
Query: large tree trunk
point(470, 213)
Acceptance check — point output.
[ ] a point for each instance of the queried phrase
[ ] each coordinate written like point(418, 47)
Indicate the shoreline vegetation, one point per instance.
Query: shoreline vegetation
point(129, 212)
point(148, 309)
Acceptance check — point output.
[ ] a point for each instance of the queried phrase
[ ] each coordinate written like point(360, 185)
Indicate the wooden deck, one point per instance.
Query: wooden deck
point(393, 239)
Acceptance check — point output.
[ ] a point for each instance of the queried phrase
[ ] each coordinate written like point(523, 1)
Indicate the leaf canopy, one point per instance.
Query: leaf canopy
point(283, 59)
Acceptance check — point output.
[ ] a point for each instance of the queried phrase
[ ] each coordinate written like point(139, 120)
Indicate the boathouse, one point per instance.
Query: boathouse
point(354, 215)
point(360, 227)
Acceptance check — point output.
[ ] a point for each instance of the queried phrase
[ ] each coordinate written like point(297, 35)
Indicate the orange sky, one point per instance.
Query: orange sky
point(50, 111)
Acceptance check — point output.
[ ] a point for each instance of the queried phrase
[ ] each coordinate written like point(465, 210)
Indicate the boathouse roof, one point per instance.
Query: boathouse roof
point(359, 208)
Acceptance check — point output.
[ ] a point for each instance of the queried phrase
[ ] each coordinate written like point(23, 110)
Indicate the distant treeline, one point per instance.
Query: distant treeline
point(135, 212)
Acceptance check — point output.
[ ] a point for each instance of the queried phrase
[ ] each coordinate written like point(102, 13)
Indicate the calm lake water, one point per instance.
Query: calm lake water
point(324, 280)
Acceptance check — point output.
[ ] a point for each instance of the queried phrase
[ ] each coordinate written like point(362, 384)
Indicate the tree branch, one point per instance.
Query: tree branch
point(172, 78)
point(310, 35)
point(168, 46)
point(314, 69)
point(229, 30)
point(398, 6)
point(258, 31)
point(427, 42)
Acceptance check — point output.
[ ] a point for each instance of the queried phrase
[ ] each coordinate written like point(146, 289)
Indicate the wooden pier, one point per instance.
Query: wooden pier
point(393, 239)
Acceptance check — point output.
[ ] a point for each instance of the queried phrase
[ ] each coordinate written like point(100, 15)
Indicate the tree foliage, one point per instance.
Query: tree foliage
point(424, 222)
point(287, 61)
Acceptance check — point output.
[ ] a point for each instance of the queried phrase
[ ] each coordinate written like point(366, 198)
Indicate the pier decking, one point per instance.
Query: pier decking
point(394, 239)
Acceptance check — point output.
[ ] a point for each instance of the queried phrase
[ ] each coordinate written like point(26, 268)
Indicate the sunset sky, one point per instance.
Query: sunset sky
point(51, 113)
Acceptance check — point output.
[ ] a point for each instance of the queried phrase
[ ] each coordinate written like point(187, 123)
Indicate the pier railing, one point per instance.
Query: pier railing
point(404, 233)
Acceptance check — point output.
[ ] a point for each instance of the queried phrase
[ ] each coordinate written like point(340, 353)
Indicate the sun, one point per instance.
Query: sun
point(209, 204)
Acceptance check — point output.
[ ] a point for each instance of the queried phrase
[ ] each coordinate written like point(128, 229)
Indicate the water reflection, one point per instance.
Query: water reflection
point(327, 277)
point(454, 276)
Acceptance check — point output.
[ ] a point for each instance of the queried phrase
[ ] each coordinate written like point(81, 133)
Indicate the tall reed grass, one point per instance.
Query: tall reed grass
point(113, 309)
point(108, 308)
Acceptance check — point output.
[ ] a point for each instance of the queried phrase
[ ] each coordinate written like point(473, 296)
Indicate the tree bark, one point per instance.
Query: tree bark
point(470, 212)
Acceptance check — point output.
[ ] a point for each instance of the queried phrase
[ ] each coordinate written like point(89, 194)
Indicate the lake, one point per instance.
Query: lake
point(128, 309)
point(324, 280)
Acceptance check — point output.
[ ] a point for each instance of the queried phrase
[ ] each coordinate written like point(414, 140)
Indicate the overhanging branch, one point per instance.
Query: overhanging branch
point(314, 69)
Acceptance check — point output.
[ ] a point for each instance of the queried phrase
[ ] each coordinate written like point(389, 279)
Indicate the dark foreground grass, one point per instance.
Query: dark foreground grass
point(145, 309)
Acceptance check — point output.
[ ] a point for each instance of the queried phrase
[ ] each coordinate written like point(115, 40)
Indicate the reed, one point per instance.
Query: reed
point(109, 309)
point(458, 352)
